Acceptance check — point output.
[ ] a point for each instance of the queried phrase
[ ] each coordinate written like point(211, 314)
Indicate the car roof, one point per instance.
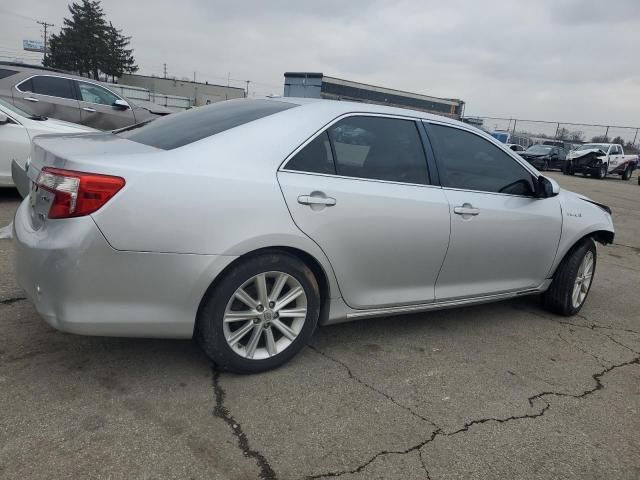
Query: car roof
point(340, 107)
point(26, 66)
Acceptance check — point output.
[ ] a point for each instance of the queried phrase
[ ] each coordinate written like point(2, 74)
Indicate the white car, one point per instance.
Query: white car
point(17, 129)
point(601, 159)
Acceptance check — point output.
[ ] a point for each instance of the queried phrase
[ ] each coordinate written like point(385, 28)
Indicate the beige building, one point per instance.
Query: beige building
point(198, 93)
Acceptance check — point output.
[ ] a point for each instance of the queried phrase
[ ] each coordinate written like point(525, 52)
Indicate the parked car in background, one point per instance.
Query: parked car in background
point(271, 216)
point(601, 159)
point(17, 129)
point(63, 96)
point(515, 147)
point(545, 157)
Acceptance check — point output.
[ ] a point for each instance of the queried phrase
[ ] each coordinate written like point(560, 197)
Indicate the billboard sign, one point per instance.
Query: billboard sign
point(33, 46)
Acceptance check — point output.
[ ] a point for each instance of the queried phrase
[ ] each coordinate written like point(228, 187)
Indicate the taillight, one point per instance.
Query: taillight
point(77, 193)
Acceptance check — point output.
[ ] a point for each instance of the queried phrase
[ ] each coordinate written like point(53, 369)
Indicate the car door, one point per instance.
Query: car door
point(48, 95)
point(614, 157)
point(361, 190)
point(98, 108)
point(503, 238)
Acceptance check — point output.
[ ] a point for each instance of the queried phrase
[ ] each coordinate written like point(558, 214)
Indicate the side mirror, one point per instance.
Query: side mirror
point(547, 187)
point(121, 104)
point(3, 119)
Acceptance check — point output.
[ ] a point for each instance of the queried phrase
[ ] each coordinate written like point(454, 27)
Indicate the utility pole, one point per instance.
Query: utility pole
point(194, 77)
point(246, 93)
point(165, 70)
point(45, 25)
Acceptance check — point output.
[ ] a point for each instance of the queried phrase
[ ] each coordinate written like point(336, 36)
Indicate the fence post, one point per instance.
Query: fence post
point(634, 138)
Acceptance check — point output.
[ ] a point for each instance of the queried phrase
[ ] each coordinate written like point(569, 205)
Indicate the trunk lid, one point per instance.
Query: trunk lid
point(87, 152)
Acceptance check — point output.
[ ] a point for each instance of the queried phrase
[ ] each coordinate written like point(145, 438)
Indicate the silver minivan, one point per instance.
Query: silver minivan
point(56, 94)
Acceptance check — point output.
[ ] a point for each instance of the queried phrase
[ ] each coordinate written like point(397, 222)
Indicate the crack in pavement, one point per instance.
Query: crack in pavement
point(222, 412)
point(465, 428)
point(591, 326)
point(370, 387)
point(622, 344)
point(424, 465)
point(9, 301)
point(586, 352)
point(358, 469)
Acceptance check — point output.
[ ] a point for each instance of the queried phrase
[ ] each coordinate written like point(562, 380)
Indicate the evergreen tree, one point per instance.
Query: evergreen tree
point(87, 44)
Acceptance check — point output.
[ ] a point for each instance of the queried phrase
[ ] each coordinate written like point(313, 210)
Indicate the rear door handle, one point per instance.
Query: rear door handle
point(466, 209)
point(89, 109)
point(30, 99)
point(312, 200)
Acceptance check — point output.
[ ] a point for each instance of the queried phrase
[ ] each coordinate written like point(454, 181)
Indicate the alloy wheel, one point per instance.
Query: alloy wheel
point(583, 280)
point(265, 315)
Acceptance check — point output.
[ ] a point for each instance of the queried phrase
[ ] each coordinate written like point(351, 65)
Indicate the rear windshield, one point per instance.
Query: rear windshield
point(180, 129)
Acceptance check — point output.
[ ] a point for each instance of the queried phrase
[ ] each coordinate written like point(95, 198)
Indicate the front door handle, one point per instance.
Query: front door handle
point(312, 200)
point(30, 99)
point(466, 209)
point(89, 109)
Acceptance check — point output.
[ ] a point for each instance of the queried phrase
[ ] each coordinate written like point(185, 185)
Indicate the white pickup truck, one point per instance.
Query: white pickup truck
point(601, 159)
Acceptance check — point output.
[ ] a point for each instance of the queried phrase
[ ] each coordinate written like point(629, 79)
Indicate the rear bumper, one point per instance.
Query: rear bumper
point(20, 178)
point(79, 284)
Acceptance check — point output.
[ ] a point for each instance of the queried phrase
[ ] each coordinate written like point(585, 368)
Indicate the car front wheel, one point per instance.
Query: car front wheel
point(262, 312)
point(602, 171)
point(572, 281)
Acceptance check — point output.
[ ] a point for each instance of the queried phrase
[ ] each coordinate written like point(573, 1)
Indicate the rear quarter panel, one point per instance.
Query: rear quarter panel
point(219, 194)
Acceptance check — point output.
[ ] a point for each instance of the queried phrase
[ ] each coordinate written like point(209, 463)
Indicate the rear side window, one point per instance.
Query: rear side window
point(51, 86)
point(4, 73)
point(379, 148)
point(179, 129)
point(469, 162)
point(316, 157)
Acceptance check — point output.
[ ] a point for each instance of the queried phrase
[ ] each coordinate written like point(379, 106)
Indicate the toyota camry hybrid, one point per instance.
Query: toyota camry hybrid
point(247, 223)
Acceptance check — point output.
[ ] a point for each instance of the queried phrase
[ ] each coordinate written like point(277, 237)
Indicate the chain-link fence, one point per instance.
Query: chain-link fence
point(529, 132)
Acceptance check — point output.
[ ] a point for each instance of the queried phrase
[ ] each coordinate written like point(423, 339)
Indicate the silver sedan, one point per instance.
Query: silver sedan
point(247, 223)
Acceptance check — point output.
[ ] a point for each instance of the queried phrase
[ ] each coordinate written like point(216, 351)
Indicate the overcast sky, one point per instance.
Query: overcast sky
point(571, 60)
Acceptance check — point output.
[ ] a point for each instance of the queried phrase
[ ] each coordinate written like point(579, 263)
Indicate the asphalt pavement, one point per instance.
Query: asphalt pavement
point(504, 390)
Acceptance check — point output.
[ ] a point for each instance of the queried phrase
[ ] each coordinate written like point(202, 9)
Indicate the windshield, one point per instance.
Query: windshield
point(592, 146)
point(537, 149)
point(178, 129)
point(15, 109)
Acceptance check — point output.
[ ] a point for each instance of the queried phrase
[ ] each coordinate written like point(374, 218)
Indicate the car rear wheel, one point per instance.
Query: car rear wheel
point(626, 175)
point(572, 281)
point(260, 314)
point(545, 166)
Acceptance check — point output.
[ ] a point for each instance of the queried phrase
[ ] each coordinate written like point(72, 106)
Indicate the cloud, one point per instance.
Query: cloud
point(550, 59)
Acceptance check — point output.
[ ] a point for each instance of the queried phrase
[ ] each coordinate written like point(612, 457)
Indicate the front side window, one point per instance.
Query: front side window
point(51, 86)
point(379, 148)
point(469, 162)
point(92, 93)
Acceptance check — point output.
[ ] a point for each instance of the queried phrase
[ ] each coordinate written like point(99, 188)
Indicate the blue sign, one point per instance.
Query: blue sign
point(33, 46)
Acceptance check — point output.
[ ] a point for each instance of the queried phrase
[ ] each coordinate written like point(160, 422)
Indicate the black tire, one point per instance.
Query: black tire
point(602, 172)
point(545, 166)
point(558, 297)
point(209, 325)
point(568, 169)
point(626, 175)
